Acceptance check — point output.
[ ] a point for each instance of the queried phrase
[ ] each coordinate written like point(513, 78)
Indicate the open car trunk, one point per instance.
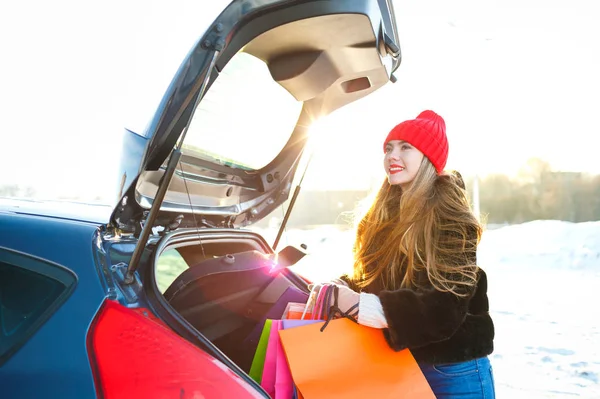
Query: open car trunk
point(225, 283)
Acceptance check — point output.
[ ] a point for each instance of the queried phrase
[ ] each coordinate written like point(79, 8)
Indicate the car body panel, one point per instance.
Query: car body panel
point(76, 211)
point(132, 156)
point(54, 360)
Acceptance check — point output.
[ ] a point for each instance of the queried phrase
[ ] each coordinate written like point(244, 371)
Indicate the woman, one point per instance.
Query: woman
point(415, 272)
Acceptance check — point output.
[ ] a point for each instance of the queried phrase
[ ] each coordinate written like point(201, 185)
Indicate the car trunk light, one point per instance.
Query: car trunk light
point(133, 356)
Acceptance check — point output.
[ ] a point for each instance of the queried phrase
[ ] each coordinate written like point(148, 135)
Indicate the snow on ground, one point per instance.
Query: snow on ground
point(544, 291)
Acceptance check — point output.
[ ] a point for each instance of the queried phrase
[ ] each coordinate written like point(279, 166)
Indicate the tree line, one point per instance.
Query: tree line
point(537, 193)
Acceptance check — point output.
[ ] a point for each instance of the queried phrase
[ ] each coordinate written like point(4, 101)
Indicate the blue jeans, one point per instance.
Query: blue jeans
point(473, 379)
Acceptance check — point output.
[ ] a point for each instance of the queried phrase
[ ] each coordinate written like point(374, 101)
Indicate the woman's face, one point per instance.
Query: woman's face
point(401, 162)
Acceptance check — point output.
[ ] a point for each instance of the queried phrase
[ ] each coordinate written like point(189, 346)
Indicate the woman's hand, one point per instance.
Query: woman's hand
point(346, 299)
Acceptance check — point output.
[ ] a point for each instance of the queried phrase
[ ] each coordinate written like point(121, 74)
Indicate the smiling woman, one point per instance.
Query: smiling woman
point(245, 119)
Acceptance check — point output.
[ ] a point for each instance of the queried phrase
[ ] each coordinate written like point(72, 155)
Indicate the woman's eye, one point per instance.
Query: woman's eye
point(388, 150)
point(406, 147)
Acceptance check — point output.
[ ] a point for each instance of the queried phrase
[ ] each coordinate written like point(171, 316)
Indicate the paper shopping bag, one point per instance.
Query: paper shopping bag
point(294, 311)
point(284, 386)
point(286, 375)
point(351, 361)
point(258, 363)
point(270, 368)
point(276, 312)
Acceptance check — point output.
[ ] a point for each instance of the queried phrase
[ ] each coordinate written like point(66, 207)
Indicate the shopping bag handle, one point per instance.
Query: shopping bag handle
point(334, 309)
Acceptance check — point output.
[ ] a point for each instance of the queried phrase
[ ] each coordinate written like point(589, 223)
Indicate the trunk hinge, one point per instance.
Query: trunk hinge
point(147, 229)
point(291, 205)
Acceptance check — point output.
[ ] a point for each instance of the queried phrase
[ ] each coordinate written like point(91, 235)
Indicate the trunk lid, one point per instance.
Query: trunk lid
point(241, 105)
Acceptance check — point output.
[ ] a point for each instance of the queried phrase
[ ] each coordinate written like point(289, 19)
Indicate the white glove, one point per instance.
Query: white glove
point(370, 311)
point(339, 281)
point(346, 299)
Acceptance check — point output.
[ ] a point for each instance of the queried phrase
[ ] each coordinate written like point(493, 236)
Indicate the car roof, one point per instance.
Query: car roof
point(80, 211)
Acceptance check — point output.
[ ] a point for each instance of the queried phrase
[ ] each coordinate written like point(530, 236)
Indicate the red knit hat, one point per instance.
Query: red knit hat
point(428, 134)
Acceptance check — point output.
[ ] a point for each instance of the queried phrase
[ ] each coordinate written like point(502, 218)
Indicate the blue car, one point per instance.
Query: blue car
point(159, 295)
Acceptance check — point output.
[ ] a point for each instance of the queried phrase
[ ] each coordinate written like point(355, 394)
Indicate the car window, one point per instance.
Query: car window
point(245, 119)
point(170, 265)
point(30, 292)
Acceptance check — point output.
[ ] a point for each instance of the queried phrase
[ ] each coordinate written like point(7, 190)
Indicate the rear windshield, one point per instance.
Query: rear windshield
point(30, 291)
point(245, 119)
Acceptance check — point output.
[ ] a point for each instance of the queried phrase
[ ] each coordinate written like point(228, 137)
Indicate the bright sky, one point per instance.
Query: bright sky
point(513, 79)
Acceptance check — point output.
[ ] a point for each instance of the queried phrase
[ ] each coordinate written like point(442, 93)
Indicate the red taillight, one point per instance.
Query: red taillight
point(135, 357)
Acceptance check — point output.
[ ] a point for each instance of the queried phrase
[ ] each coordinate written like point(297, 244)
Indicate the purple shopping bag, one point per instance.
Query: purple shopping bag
point(291, 294)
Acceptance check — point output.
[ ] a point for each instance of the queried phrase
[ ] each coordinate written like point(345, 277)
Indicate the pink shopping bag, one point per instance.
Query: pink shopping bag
point(270, 367)
point(284, 385)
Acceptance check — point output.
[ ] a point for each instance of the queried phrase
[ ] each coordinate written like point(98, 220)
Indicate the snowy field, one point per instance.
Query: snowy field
point(544, 291)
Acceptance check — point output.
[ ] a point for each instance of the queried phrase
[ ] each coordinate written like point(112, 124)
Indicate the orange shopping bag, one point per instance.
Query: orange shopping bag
point(348, 360)
point(294, 311)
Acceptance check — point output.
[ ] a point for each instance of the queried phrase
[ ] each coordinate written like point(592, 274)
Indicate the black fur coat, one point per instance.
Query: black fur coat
point(437, 327)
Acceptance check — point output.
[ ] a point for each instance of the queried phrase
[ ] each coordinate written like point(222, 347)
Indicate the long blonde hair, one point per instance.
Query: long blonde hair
point(428, 226)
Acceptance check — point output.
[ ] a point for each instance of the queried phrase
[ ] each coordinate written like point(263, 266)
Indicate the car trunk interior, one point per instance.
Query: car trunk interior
point(222, 304)
point(225, 287)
